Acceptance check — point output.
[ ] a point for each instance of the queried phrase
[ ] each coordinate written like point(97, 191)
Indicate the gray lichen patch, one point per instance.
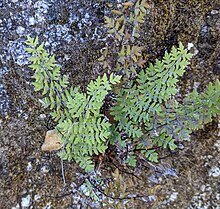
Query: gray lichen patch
point(69, 30)
point(4, 101)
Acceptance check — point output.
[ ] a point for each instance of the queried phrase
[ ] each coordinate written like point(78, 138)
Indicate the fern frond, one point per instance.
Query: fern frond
point(179, 120)
point(47, 78)
point(155, 85)
point(85, 130)
point(146, 111)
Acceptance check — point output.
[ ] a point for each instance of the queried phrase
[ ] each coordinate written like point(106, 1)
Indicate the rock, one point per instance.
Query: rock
point(215, 171)
point(52, 141)
point(45, 169)
point(29, 166)
point(20, 30)
point(26, 201)
point(173, 197)
point(214, 12)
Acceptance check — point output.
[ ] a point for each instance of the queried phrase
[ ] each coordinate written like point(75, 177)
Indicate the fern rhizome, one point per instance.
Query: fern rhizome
point(145, 109)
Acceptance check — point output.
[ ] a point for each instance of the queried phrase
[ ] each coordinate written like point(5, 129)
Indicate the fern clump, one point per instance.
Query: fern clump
point(145, 111)
point(87, 132)
point(148, 114)
point(138, 102)
point(84, 128)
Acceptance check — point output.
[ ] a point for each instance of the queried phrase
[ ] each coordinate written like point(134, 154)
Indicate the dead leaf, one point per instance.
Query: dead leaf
point(127, 4)
point(52, 141)
point(117, 12)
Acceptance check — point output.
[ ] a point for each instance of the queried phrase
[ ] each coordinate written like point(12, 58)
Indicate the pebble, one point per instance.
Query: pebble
point(26, 201)
point(16, 207)
point(214, 12)
point(37, 197)
point(190, 45)
point(52, 141)
point(196, 85)
point(194, 51)
point(48, 206)
point(29, 166)
point(217, 196)
point(45, 169)
point(173, 197)
point(202, 188)
point(217, 143)
point(215, 171)
point(31, 21)
point(42, 116)
point(152, 198)
point(20, 30)
point(219, 129)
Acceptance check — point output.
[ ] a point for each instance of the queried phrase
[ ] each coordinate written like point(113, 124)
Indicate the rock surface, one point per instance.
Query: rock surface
point(73, 31)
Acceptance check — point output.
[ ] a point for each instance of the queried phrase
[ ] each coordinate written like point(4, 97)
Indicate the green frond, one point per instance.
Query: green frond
point(155, 85)
point(145, 109)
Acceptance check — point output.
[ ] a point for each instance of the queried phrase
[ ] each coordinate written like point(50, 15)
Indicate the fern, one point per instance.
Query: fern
point(179, 120)
point(147, 111)
point(85, 130)
point(138, 101)
point(124, 30)
point(48, 79)
point(89, 130)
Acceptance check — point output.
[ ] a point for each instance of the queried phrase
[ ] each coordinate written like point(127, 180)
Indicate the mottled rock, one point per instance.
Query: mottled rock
point(67, 28)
